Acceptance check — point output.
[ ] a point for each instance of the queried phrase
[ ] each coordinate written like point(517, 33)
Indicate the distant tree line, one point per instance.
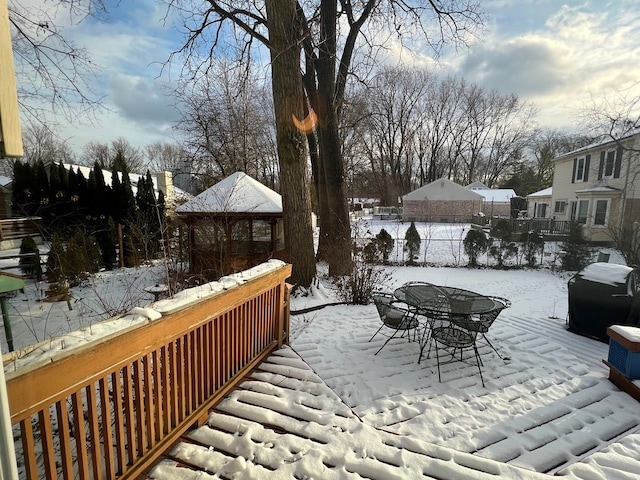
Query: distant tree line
point(81, 216)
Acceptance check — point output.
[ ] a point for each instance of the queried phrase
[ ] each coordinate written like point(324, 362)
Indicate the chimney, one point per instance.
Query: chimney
point(165, 184)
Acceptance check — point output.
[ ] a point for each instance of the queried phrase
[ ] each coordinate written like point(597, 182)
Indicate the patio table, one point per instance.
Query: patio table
point(437, 302)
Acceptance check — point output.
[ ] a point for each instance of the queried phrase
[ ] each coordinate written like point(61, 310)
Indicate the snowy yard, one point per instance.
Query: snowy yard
point(549, 409)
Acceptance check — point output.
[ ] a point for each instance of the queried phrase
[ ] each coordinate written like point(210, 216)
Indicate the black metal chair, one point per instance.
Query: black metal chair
point(394, 317)
point(485, 321)
point(458, 334)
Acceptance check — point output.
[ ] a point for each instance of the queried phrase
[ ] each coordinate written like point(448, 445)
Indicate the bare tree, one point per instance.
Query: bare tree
point(329, 54)
point(393, 121)
point(104, 154)
point(616, 115)
point(54, 73)
point(164, 156)
point(42, 144)
point(228, 124)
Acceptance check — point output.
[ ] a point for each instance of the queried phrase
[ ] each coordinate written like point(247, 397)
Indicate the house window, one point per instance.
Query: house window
point(541, 210)
point(580, 170)
point(560, 206)
point(609, 163)
point(601, 213)
point(579, 210)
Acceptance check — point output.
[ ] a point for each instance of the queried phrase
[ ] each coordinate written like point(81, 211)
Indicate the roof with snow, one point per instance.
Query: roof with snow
point(178, 194)
point(238, 193)
point(602, 141)
point(477, 186)
point(547, 192)
point(501, 195)
point(443, 189)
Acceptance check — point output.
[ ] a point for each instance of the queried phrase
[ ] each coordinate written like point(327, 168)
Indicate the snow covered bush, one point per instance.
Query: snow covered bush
point(474, 243)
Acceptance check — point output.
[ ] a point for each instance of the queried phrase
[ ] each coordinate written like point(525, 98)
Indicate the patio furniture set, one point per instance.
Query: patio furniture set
point(448, 318)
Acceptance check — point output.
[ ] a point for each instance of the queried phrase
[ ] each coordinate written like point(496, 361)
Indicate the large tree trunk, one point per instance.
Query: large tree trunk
point(288, 98)
point(335, 231)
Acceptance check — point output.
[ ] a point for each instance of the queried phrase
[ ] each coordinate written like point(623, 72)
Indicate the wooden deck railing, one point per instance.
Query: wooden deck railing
point(16, 228)
point(110, 409)
point(546, 226)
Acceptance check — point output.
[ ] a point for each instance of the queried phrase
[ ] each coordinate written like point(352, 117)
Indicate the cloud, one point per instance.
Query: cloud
point(141, 100)
point(528, 66)
point(577, 53)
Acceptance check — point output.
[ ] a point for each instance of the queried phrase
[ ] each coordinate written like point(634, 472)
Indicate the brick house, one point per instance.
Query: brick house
point(442, 201)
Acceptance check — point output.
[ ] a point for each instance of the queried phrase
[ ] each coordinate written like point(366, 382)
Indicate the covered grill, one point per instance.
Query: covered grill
point(601, 295)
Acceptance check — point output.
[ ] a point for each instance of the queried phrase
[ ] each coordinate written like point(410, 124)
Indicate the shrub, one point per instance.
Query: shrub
point(475, 242)
point(505, 247)
point(30, 265)
point(533, 246)
point(577, 253)
point(385, 244)
point(412, 243)
point(365, 276)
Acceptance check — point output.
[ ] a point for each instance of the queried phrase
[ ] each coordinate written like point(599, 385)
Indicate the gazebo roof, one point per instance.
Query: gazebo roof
point(238, 193)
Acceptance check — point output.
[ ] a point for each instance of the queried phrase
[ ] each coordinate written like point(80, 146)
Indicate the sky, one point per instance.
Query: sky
point(546, 406)
point(558, 55)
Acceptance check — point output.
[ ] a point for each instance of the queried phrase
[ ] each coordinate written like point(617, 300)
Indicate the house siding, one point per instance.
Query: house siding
point(622, 193)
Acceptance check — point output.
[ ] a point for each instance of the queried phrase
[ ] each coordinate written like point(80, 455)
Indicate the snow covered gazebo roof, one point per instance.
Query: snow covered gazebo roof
point(237, 194)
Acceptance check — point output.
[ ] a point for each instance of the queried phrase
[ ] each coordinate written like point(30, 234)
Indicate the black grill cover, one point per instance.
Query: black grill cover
point(601, 295)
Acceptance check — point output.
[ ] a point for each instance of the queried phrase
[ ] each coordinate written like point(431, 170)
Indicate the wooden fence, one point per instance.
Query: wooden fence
point(110, 409)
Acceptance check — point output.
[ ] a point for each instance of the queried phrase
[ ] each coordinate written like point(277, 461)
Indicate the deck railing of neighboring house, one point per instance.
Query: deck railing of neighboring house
point(110, 409)
point(545, 226)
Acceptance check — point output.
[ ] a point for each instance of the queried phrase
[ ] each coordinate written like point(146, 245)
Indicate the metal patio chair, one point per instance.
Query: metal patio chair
point(483, 324)
point(455, 336)
point(394, 317)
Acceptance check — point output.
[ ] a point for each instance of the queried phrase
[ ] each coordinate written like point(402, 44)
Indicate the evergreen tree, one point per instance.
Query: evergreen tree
point(102, 193)
point(20, 192)
point(63, 176)
point(106, 236)
point(30, 265)
point(41, 183)
point(55, 259)
point(577, 253)
point(385, 245)
point(55, 183)
point(474, 243)
point(505, 248)
point(412, 243)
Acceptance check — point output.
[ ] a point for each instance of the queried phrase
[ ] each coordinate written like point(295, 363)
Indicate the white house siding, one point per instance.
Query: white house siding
point(618, 192)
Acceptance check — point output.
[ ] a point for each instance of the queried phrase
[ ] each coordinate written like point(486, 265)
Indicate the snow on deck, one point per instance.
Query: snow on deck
point(285, 422)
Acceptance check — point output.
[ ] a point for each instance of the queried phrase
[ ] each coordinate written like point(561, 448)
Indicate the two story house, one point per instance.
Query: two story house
point(599, 186)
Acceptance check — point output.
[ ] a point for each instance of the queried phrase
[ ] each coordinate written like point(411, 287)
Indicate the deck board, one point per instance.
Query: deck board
point(285, 422)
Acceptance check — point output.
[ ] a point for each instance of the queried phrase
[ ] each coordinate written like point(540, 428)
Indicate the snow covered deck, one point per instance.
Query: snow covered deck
point(286, 422)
